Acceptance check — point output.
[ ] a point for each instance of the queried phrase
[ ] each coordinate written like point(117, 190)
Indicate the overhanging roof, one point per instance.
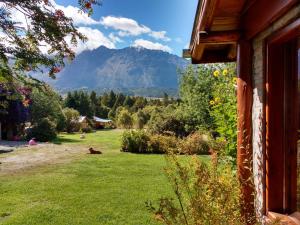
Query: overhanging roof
point(216, 31)
point(220, 24)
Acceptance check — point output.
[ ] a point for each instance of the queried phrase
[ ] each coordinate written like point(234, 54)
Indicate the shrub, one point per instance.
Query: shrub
point(162, 144)
point(71, 120)
point(206, 193)
point(124, 119)
point(44, 130)
point(87, 129)
point(134, 141)
point(195, 143)
point(162, 123)
point(140, 119)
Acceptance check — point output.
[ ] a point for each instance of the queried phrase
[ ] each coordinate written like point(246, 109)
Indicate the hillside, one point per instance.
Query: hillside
point(129, 70)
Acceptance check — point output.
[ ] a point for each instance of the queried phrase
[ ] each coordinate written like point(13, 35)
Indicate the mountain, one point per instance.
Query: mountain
point(126, 70)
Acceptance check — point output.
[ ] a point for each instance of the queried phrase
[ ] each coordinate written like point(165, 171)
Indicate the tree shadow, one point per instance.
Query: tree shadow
point(6, 151)
point(62, 140)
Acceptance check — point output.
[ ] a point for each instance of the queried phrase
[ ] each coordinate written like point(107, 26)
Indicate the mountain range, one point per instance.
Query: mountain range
point(131, 70)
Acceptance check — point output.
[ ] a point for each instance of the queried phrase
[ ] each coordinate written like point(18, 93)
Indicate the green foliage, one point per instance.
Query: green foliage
point(82, 102)
point(48, 27)
point(196, 143)
point(162, 144)
point(87, 129)
point(223, 107)
point(195, 92)
point(124, 119)
point(209, 102)
point(45, 104)
point(166, 120)
point(44, 130)
point(134, 141)
point(206, 193)
point(71, 120)
point(140, 119)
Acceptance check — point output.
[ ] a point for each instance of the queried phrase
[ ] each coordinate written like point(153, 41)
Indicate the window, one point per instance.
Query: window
point(282, 120)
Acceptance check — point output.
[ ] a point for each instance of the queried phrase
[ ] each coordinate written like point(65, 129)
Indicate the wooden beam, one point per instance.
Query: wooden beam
point(244, 141)
point(220, 37)
point(216, 56)
point(232, 52)
point(186, 53)
point(262, 13)
point(203, 19)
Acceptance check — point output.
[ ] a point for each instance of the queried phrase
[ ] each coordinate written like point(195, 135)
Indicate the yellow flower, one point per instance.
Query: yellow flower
point(225, 72)
point(211, 102)
point(234, 80)
point(216, 73)
point(217, 100)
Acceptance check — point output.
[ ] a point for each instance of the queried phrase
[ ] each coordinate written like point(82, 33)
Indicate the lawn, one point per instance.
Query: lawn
point(93, 189)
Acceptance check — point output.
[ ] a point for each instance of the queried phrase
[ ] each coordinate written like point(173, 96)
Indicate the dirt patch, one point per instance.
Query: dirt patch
point(43, 154)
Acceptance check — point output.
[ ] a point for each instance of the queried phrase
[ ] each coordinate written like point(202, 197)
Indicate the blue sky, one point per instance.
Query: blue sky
point(154, 24)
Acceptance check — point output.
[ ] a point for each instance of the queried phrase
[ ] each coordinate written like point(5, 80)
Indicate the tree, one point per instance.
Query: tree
point(124, 119)
point(196, 93)
point(45, 104)
point(39, 43)
point(128, 102)
point(111, 99)
point(71, 122)
point(140, 119)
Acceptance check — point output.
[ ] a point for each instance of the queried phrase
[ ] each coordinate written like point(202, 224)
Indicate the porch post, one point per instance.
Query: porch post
point(244, 125)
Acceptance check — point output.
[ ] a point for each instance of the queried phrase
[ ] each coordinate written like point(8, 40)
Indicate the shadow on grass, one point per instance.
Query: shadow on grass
point(62, 140)
point(6, 151)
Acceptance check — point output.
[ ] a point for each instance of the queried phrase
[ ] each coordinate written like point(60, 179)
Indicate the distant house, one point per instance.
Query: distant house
point(263, 37)
point(84, 122)
point(95, 122)
point(101, 123)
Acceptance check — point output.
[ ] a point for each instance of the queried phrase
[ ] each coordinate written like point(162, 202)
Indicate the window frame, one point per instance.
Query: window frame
point(281, 138)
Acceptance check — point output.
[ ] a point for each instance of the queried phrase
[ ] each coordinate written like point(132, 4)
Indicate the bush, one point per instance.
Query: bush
point(124, 119)
point(87, 129)
point(162, 123)
point(44, 130)
point(195, 143)
point(71, 120)
point(134, 141)
point(206, 193)
point(162, 144)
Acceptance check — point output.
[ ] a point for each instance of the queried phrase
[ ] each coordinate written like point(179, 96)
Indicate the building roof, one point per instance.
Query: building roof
point(81, 119)
point(97, 119)
point(215, 31)
point(220, 24)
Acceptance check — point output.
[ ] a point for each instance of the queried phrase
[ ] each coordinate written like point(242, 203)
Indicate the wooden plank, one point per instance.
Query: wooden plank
point(203, 19)
point(220, 37)
point(274, 130)
point(262, 13)
point(186, 53)
point(232, 53)
point(244, 141)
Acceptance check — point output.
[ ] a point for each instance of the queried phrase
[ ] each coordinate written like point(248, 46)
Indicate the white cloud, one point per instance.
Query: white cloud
point(79, 17)
point(95, 39)
point(151, 45)
point(114, 38)
point(126, 25)
point(130, 27)
point(160, 35)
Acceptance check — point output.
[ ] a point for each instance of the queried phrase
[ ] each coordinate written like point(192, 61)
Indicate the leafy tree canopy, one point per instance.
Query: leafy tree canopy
point(39, 41)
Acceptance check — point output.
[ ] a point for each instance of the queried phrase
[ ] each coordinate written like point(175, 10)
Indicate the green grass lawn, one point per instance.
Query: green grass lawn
point(96, 189)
